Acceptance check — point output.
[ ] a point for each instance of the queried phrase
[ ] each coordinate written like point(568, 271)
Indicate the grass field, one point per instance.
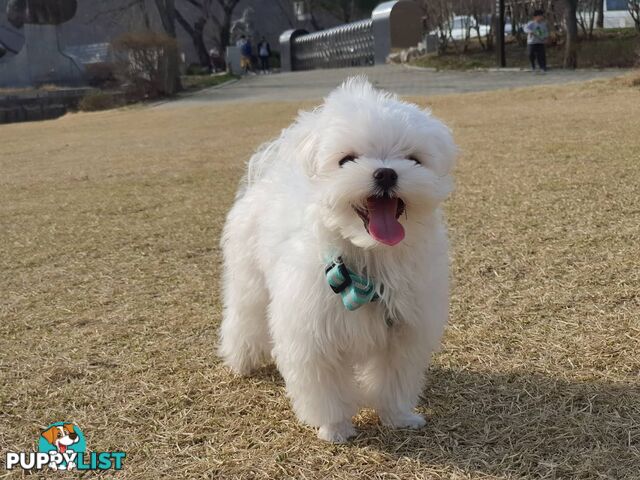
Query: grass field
point(109, 306)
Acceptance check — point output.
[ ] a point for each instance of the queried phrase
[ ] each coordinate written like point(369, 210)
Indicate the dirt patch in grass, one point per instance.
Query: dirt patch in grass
point(110, 295)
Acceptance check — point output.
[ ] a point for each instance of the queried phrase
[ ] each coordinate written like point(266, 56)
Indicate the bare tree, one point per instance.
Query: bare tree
point(223, 21)
point(571, 41)
point(195, 15)
point(634, 9)
point(166, 12)
point(439, 18)
point(587, 12)
point(347, 10)
point(343, 10)
point(3, 44)
point(196, 32)
point(287, 12)
point(600, 17)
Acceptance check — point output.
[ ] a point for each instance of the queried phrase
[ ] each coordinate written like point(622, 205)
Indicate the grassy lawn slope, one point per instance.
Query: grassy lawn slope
point(109, 227)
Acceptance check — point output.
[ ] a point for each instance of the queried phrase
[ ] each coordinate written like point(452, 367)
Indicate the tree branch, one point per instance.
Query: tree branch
point(196, 3)
point(285, 12)
point(8, 48)
point(119, 10)
point(228, 5)
point(184, 23)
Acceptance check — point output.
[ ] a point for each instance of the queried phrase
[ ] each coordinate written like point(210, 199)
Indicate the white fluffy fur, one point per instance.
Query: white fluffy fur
point(293, 211)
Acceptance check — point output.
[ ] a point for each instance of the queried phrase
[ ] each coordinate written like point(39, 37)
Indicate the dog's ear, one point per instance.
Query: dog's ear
point(69, 427)
point(443, 150)
point(304, 136)
point(50, 434)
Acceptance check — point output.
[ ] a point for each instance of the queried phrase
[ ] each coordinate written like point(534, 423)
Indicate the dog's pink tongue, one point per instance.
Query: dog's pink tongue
point(383, 225)
point(62, 448)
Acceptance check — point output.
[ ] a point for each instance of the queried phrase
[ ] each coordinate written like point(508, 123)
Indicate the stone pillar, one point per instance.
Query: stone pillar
point(396, 24)
point(286, 61)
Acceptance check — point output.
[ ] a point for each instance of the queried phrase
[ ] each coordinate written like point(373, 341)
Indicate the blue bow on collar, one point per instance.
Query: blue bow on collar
point(354, 290)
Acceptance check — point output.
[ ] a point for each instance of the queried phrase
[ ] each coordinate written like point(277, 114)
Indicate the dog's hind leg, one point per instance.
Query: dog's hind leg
point(245, 342)
point(244, 334)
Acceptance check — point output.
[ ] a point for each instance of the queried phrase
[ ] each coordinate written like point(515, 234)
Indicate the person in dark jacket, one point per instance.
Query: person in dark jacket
point(264, 52)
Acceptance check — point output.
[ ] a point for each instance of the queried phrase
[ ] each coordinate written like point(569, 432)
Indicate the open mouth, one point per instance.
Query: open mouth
point(380, 218)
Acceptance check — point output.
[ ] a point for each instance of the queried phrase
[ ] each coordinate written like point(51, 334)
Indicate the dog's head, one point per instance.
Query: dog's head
point(61, 436)
point(379, 165)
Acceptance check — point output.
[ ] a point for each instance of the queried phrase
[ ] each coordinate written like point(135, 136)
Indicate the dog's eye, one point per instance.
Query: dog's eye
point(59, 435)
point(348, 158)
point(413, 158)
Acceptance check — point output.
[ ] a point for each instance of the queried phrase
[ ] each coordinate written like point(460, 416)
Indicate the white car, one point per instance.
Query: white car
point(462, 23)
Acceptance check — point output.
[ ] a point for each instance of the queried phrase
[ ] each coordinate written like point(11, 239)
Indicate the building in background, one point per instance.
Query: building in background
point(616, 14)
point(98, 22)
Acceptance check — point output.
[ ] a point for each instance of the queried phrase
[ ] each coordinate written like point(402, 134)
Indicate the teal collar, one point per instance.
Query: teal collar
point(354, 290)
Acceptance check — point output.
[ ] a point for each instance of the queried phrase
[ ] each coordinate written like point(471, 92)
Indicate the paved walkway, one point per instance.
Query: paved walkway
point(296, 86)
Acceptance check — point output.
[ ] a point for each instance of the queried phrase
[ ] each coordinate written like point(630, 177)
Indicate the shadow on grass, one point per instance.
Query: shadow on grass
point(523, 425)
point(516, 426)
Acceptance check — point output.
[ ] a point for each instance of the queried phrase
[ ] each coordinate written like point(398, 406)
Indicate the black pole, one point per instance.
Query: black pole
point(502, 60)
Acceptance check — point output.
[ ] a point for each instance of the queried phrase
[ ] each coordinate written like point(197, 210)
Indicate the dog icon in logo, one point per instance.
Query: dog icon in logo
point(64, 438)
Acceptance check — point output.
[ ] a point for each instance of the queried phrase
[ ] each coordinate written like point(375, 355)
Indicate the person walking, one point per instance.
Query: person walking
point(537, 33)
point(245, 54)
point(264, 52)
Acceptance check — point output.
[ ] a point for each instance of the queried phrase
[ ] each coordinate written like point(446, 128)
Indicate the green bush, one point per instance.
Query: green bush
point(98, 100)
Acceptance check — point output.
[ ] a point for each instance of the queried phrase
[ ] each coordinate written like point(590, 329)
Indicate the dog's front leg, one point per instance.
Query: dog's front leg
point(319, 381)
point(392, 378)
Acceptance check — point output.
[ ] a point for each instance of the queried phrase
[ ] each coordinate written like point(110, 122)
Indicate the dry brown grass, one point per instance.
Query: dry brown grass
point(110, 261)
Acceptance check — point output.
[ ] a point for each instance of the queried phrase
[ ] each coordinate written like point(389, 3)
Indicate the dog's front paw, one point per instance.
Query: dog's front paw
point(404, 420)
point(337, 432)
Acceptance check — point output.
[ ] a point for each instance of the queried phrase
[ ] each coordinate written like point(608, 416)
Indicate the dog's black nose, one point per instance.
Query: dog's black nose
point(385, 178)
point(73, 436)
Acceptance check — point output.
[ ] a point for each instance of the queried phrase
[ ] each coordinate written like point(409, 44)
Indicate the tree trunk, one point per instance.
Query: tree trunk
point(600, 18)
point(314, 22)
point(6, 47)
point(166, 11)
point(196, 32)
point(571, 42)
point(347, 10)
point(225, 29)
point(199, 45)
point(490, 33)
point(591, 21)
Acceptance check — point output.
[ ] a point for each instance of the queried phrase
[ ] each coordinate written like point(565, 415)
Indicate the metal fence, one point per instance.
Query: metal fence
point(349, 45)
point(393, 24)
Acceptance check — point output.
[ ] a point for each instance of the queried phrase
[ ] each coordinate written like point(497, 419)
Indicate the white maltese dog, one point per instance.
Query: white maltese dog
point(336, 262)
